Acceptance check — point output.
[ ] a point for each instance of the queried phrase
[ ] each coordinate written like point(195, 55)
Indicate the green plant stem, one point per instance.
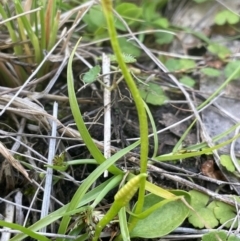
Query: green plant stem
point(107, 9)
point(24, 230)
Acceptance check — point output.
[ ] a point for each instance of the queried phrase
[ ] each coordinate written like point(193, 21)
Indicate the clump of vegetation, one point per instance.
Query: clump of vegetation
point(33, 30)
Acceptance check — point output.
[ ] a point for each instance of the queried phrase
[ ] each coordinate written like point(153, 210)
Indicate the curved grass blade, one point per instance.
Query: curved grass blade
point(115, 181)
point(95, 152)
point(123, 224)
point(154, 128)
point(24, 230)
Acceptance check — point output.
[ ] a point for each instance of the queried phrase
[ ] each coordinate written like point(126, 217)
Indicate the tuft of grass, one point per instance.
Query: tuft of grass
point(33, 29)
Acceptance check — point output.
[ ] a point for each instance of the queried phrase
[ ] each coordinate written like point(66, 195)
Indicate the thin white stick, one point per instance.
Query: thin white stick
point(9, 215)
point(20, 15)
point(54, 235)
point(19, 212)
point(49, 174)
point(107, 107)
point(17, 205)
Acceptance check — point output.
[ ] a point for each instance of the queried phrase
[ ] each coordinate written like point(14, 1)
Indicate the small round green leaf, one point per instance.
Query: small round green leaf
point(92, 74)
point(130, 12)
point(152, 94)
point(187, 81)
point(211, 72)
point(173, 64)
point(164, 38)
point(149, 10)
point(95, 19)
point(220, 50)
point(128, 47)
point(231, 67)
point(187, 64)
point(180, 64)
point(161, 22)
point(226, 161)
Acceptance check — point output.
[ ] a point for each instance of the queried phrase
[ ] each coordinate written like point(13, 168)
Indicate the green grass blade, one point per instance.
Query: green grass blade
point(31, 34)
point(23, 35)
point(26, 231)
point(17, 48)
point(43, 26)
point(114, 182)
point(154, 128)
point(95, 152)
point(53, 35)
point(123, 224)
point(179, 143)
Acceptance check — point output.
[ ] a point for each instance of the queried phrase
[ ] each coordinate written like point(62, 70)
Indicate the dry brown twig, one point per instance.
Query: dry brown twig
point(6, 153)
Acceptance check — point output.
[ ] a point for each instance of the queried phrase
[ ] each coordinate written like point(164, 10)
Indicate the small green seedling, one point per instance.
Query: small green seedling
point(59, 163)
point(121, 199)
point(93, 74)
